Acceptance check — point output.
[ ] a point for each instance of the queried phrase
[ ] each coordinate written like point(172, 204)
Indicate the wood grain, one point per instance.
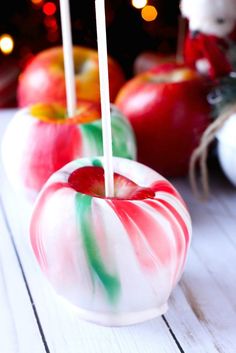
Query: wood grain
point(19, 331)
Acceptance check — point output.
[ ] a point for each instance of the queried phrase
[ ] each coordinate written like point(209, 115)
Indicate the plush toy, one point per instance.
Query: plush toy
point(210, 44)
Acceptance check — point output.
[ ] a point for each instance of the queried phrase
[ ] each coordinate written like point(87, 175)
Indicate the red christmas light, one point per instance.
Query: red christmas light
point(51, 23)
point(49, 8)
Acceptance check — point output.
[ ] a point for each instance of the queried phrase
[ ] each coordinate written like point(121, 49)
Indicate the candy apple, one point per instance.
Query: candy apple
point(40, 139)
point(115, 259)
point(168, 110)
point(43, 79)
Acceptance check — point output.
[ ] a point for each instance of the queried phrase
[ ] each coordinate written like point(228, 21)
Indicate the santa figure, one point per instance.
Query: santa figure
point(210, 45)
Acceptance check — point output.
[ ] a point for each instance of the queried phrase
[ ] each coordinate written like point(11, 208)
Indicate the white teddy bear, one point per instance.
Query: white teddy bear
point(209, 44)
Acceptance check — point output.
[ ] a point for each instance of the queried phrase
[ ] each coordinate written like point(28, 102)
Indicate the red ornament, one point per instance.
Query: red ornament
point(49, 8)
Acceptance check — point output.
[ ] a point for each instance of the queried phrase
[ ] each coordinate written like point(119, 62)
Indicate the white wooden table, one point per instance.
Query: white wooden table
point(202, 308)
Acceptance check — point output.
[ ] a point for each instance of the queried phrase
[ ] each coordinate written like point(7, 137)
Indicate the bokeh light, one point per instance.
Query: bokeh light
point(52, 36)
point(149, 13)
point(6, 44)
point(49, 8)
point(51, 23)
point(37, 2)
point(139, 4)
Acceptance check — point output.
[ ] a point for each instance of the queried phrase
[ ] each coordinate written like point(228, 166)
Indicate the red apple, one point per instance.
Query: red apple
point(168, 110)
point(148, 60)
point(90, 180)
point(43, 78)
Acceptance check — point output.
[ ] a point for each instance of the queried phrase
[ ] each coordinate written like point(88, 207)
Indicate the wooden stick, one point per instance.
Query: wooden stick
point(68, 58)
point(105, 97)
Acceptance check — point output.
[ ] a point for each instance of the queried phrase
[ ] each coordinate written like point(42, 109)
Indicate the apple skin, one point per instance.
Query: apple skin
point(39, 140)
point(90, 180)
point(116, 260)
point(43, 79)
point(168, 118)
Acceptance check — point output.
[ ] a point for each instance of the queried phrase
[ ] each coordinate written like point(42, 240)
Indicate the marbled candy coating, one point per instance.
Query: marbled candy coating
point(116, 260)
point(33, 149)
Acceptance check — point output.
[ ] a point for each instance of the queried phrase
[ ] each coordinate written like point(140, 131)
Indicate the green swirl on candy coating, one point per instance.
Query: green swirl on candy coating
point(83, 214)
point(92, 134)
point(123, 140)
point(97, 162)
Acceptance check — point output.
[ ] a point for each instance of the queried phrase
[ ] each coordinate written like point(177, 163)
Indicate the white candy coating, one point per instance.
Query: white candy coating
point(116, 260)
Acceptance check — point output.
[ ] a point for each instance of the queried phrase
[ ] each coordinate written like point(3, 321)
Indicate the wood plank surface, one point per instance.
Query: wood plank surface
point(19, 331)
point(208, 283)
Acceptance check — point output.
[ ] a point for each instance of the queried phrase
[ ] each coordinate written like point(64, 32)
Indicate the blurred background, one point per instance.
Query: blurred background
point(133, 26)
